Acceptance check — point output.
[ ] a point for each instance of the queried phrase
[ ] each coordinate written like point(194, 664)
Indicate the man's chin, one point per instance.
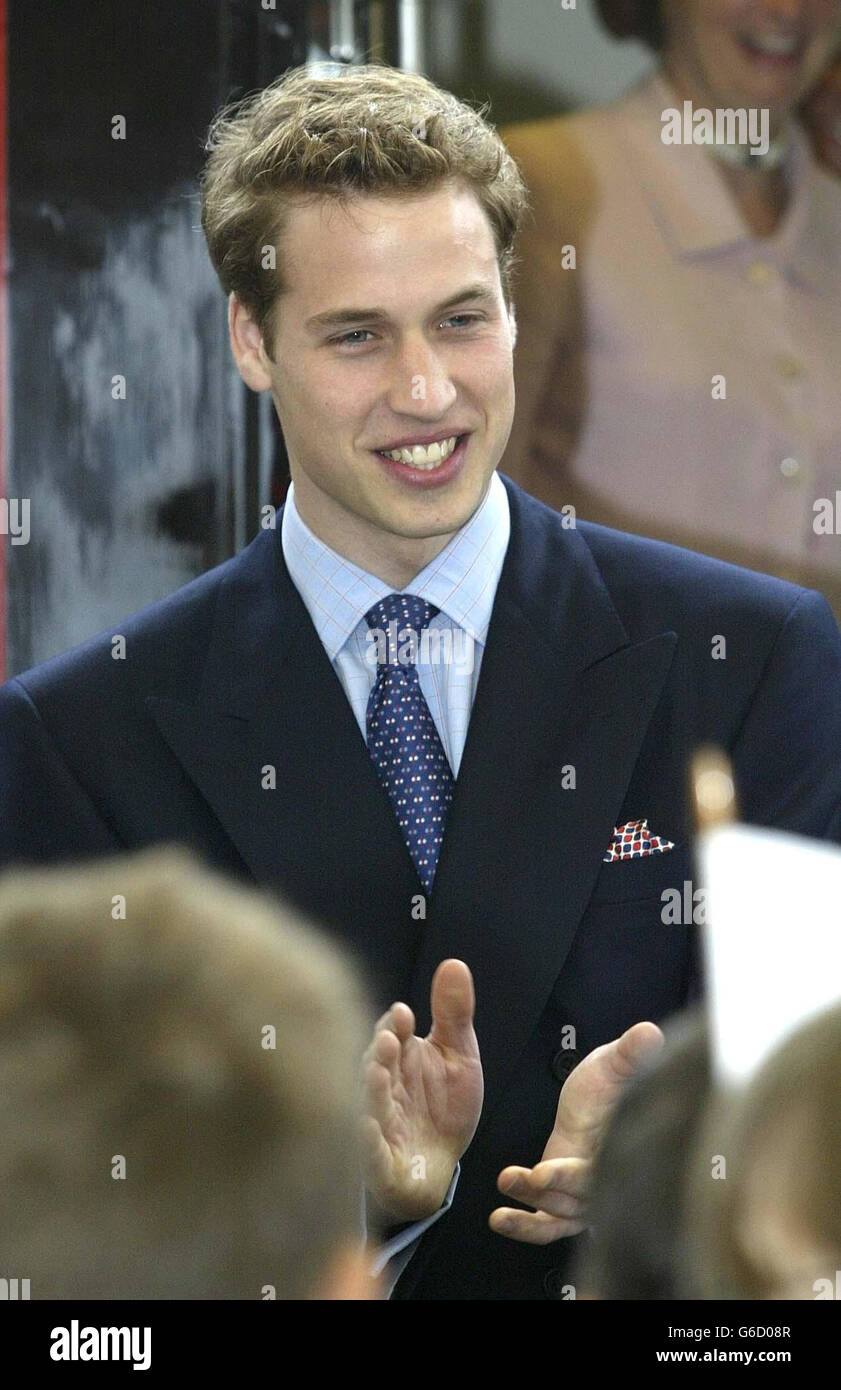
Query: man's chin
point(441, 521)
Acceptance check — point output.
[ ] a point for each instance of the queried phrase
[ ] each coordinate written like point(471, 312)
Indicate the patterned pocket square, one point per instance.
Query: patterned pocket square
point(633, 840)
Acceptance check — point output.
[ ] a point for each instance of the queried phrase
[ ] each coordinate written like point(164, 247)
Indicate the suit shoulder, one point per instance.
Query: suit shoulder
point(685, 588)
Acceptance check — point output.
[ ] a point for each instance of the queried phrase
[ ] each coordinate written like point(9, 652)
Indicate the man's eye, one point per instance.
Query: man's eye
point(358, 337)
point(352, 338)
point(468, 319)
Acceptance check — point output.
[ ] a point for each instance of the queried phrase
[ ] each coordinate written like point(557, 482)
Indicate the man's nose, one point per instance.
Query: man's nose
point(421, 383)
point(784, 11)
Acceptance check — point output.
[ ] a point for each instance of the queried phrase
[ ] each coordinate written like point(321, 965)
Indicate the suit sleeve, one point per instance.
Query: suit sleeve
point(45, 814)
point(394, 1255)
point(787, 755)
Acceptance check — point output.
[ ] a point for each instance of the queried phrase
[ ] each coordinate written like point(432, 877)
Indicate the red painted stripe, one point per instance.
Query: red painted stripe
point(4, 325)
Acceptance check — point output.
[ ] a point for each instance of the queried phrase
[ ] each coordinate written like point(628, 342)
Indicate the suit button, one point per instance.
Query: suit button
point(553, 1283)
point(563, 1062)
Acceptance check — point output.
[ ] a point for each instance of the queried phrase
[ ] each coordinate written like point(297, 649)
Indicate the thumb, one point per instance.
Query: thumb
point(638, 1044)
point(452, 1005)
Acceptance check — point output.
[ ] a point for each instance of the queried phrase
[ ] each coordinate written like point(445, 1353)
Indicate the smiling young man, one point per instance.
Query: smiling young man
point(394, 334)
point(528, 815)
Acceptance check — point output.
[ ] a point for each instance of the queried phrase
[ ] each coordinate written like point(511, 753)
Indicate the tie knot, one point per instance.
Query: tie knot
point(407, 610)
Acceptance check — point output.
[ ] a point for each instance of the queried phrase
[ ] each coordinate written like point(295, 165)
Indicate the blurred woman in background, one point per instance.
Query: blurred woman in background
point(679, 306)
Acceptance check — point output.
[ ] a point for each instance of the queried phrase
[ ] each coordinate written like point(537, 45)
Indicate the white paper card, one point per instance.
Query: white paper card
point(772, 940)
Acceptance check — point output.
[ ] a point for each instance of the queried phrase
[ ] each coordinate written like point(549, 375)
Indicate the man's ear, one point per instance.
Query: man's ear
point(247, 346)
point(512, 319)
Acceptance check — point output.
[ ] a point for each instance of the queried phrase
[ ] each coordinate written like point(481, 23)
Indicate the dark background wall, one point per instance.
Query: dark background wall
point(109, 277)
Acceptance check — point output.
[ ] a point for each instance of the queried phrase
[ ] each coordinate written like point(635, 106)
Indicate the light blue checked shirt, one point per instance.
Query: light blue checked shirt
point(461, 582)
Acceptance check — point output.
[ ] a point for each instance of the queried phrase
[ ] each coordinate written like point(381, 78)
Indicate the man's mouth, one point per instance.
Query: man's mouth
point(777, 49)
point(424, 457)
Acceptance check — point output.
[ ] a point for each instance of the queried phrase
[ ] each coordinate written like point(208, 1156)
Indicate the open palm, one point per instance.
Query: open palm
point(423, 1098)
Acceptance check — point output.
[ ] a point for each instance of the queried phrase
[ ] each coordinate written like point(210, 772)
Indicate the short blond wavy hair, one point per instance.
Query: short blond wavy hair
point(366, 129)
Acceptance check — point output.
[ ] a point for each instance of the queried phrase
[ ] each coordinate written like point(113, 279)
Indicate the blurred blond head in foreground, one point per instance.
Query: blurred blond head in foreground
point(178, 1089)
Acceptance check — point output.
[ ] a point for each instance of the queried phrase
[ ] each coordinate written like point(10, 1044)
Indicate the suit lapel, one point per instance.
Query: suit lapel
point(562, 697)
point(325, 835)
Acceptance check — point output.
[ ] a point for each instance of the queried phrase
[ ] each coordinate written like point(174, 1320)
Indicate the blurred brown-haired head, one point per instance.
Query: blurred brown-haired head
point(178, 1086)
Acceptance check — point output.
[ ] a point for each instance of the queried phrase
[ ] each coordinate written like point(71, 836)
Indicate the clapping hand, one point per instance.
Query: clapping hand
point(557, 1186)
point(423, 1098)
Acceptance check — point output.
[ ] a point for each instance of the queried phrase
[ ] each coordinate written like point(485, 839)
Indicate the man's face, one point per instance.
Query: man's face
point(393, 333)
point(752, 53)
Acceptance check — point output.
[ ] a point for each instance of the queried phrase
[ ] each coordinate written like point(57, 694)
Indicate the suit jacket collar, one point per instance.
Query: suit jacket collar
point(461, 580)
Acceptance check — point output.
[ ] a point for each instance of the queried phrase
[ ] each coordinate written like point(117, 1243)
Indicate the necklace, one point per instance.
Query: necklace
point(741, 156)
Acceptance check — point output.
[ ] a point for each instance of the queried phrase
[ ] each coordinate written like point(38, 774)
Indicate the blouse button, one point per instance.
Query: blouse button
point(789, 366)
point(760, 273)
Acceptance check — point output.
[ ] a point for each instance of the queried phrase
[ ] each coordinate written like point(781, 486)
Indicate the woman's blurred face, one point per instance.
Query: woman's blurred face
point(751, 53)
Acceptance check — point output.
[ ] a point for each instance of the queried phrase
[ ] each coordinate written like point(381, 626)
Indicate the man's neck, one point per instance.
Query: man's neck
point(396, 560)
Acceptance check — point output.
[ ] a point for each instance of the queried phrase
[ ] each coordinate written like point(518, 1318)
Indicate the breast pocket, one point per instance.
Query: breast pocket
point(634, 946)
point(647, 878)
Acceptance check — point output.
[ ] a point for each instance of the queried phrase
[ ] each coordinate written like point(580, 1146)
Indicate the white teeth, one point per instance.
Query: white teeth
point(424, 457)
point(775, 45)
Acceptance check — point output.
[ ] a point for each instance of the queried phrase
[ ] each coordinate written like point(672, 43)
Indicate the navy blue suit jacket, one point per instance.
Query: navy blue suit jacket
point(599, 658)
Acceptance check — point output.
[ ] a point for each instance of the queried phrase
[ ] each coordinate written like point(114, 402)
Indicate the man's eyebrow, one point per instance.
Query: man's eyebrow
point(335, 318)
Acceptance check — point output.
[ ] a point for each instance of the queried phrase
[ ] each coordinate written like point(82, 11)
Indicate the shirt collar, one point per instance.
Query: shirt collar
point(461, 581)
point(690, 200)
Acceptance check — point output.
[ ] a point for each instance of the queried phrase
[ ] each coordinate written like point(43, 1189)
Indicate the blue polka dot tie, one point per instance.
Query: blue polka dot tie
point(403, 741)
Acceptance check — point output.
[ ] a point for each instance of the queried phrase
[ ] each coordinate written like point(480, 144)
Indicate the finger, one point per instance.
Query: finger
point(567, 1177)
point(533, 1228)
point(553, 1204)
point(398, 1019)
point(592, 1089)
point(385, 1049)
point(376, 1155)
point(402, 1021)
point(384, 1020)
point(555, 1201)
point(378, 1100)
point(637, 1045)
point(452, 1004)
point(618, 1060)
point(382, 1024)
